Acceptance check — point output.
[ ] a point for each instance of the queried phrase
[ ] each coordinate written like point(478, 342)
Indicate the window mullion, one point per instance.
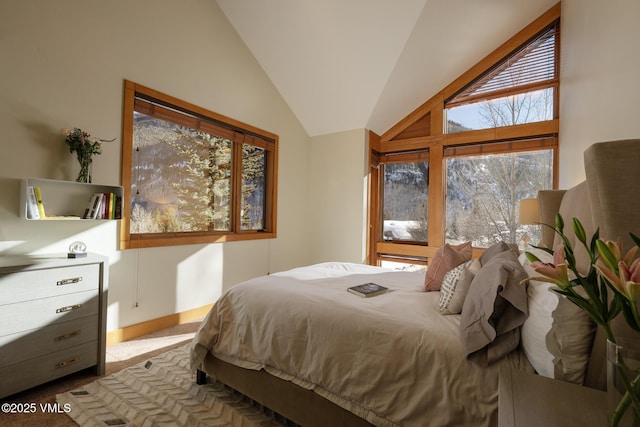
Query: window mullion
point(236, 181)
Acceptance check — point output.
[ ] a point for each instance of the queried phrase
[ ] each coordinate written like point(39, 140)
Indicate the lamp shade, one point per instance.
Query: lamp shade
point(529, 213)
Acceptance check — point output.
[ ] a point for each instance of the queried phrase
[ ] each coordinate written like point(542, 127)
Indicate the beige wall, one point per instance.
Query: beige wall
point(600, 89)
point(63, 65)
point(338, 196)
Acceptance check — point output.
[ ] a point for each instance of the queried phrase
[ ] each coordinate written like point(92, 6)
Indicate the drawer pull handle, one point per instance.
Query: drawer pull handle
point(69, 281)
point(67, 336)
point(68, 308)
point(68, 362)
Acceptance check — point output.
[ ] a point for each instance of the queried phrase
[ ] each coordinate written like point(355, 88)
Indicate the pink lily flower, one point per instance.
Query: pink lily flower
point(557, 272)
point(621, 272)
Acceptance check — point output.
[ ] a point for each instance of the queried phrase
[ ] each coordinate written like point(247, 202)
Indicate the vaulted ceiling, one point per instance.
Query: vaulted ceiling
point(352, 64)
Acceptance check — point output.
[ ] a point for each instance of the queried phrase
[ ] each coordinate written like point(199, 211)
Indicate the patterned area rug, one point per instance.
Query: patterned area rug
point(162, 392)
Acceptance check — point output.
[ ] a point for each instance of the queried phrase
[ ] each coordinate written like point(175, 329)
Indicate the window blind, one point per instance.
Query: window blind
point(530, 66)
point(204, 124)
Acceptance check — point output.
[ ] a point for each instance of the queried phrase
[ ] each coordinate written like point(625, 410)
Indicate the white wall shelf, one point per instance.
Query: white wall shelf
point(64, 200)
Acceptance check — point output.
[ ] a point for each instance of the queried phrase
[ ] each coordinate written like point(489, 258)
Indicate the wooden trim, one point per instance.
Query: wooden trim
point(411, 250)
point(271, 204)
point(510, 146)
point(199, 239)
point(415, 115)
point(139, 329)
point(437, 118)
point(409, 144)
point(374, 141)
point(126, 161)
point(236, 186)
point(415, 156)
point(406, 249)
point(528, 130)
point(391, 258)
point(374, 207)
point(436, 203)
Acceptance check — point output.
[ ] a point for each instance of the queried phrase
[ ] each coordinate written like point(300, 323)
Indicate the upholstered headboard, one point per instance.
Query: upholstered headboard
point(572, 203)
point(607, 200)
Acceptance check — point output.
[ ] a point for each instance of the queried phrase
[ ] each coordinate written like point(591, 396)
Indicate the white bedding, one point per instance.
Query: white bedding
point(392, 359)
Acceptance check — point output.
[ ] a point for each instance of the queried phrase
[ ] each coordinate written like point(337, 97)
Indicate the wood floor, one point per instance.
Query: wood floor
point(119, 356)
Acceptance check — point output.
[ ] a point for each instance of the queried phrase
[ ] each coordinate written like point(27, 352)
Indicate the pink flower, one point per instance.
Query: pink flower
point(622, 272)
point(557, 272)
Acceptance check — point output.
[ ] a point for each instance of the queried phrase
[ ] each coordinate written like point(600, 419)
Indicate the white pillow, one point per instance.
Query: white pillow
point(455, 286)
point(558, 335)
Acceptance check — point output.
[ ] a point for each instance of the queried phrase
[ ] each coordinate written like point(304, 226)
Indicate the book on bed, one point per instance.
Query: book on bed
point(368, 290)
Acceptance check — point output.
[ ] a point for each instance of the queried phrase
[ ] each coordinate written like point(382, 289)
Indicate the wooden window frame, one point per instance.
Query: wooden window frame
point(393, 158)
point(198, 118)
point(423, 129)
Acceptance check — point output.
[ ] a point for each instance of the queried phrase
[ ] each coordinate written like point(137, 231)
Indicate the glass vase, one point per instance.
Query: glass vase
point(623, 382)
point(85, 168)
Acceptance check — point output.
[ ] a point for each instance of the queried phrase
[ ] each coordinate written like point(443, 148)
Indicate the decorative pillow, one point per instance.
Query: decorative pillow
point(558, 335)
point(445, 259)
point(455, 286)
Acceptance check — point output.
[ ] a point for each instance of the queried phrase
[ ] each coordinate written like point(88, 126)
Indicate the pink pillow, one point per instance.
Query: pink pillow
point(446, 258)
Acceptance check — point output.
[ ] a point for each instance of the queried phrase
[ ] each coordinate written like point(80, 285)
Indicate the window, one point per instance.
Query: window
point(193, 176)
point(484, 192)
point(518, 90)
point(529, 107)
point(488, 139)
point(405, 192)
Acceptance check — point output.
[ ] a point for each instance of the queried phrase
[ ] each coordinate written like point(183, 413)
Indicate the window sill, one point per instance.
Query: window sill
point(140, 241)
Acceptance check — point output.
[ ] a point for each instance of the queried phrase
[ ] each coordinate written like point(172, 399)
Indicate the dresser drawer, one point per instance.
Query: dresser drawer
point(37, 342)
point(32, 372)
point(29, 285)
point(43, 312)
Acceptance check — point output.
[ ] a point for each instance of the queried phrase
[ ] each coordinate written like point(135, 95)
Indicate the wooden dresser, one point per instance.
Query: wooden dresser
point(52, 318)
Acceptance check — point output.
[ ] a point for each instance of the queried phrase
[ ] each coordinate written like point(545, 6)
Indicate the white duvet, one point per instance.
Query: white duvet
point(392, 359)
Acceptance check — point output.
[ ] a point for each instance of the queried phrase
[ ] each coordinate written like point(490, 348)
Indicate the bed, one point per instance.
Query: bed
point(300, 344)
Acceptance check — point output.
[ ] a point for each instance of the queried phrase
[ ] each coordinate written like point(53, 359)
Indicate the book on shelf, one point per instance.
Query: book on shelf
point(32, 204)
point(117, 209)
point(367, 290)
point(39, 202)
point(111, 206)
point(93, 208)
point(104, 206)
